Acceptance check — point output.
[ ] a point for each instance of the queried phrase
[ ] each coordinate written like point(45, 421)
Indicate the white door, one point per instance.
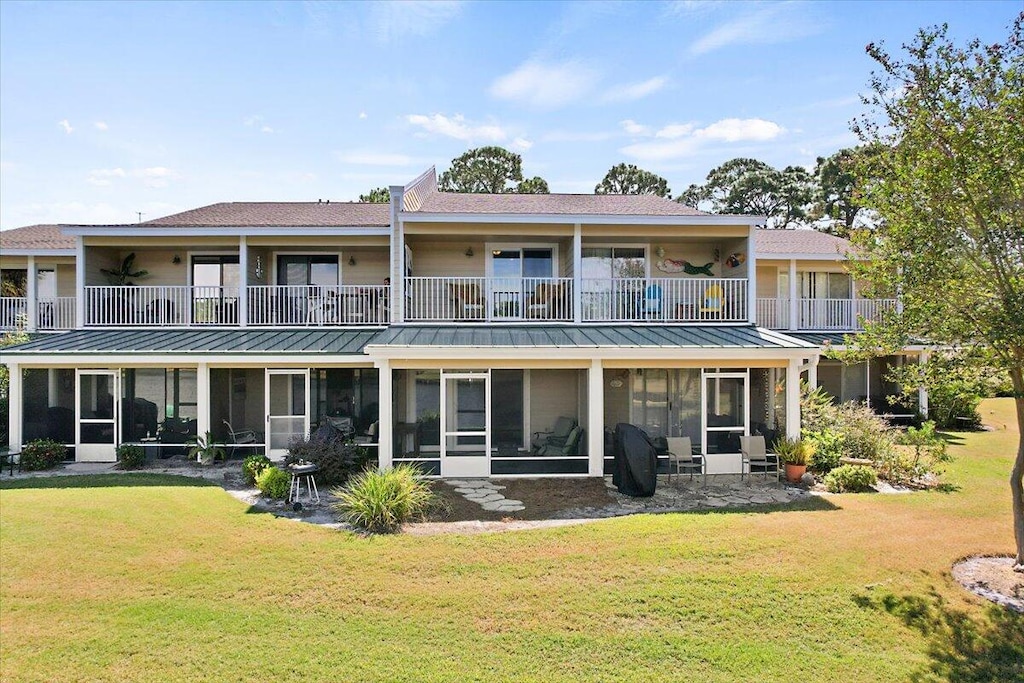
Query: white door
point(726, 417)
point(465, 424)
point(287, 410)
point(96, 415)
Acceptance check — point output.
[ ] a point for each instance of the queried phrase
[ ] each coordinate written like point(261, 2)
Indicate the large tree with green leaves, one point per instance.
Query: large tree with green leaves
point(378, 195)
point(493, 170)
point(840, 195)
point(949, 191)
point(629, 179)
point(749, 186)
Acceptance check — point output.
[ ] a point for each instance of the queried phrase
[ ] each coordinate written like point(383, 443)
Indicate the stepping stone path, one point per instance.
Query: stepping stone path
point(486, 494)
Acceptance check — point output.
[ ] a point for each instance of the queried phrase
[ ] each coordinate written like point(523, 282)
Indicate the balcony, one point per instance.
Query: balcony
point(821, 314)
point(52, 313)
point(481, 299)
point(270, 306)
point(666, 300)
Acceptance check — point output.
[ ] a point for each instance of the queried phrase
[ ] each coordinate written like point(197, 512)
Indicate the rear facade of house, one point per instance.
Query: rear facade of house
point(456, 331)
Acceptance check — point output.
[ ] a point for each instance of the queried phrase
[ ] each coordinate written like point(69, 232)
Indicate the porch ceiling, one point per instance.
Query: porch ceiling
point(193, 341)
point(603, 336)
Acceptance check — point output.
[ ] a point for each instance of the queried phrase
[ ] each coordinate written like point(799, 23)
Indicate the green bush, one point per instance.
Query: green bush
point(793, 451)
point(252, 466)
point(130, 456)
point(864, 434)
point(337, 458)
point(382, 501)
point(42, 454)
point(828, 448)
point(850, 478)
point(274, 482)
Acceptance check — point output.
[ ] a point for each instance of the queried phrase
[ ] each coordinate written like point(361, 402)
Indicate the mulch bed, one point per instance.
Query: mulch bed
point(992, 578)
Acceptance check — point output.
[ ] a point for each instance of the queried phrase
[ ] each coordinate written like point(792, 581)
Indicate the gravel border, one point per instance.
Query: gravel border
point(986, 577)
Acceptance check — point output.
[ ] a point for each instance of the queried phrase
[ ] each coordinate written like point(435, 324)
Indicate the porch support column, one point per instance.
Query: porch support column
point(867, 382)
point(243, 281)
point(595, 419)
point(397, 265)
point(793, 399)
point(752, 277)
point(32, 296)
point(79, 282)
point(202, 399)
point(794, 308)
point(577, 273)
point(386, 418)
point(15, 405)
point(922, 391)
point(812, 372)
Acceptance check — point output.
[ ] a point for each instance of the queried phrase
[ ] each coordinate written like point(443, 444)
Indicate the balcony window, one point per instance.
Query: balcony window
point(308, 270)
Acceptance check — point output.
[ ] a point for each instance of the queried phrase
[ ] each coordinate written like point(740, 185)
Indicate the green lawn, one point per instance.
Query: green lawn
point(159, 578)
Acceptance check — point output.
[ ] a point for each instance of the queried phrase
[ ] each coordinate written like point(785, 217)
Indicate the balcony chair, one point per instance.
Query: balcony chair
point(469, 303)
point(247, 439)
point(570, 447)
point(547, 302)
point(682, 459)
point(652, 301)
point(713, 301)
point(557, 437)
point(756, 458)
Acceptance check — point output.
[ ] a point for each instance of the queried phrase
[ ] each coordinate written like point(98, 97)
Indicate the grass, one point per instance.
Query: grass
point(176, 583)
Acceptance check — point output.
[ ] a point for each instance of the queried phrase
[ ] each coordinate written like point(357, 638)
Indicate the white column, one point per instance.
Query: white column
point(812, 372)
point(752, 277)
point(243, 281)
point(79, 282)
point(867, 382)
point(15, 405)
point(202, 399)
point(793, 399)
point(794, 309)
point(397, 263)
point(577, 273)
point(32, 295)
point(922, 391)
point(386, 424)
point(595, 419)
point(854, 325)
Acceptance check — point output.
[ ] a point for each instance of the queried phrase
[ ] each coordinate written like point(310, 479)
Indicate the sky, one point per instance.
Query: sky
point(112, 110)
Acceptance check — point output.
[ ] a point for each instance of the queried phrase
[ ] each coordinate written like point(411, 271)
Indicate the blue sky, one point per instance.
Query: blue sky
point(108, 109)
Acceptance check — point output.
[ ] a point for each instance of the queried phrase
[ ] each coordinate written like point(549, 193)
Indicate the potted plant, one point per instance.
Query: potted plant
point(204, 450)
point(794, 454)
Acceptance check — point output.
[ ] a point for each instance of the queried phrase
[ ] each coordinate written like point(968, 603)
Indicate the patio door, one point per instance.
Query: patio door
point(465, 424)
point(287, 409)
point(726, 411)
point(516, 273)
point(96, 412)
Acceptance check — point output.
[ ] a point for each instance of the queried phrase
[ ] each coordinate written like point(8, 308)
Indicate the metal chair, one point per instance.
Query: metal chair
point(756, 458)
point(684, 460)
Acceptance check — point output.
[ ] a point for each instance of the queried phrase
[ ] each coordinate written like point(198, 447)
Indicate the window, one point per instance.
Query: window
point(308, 270)
point(215, 280)
point(614, 262)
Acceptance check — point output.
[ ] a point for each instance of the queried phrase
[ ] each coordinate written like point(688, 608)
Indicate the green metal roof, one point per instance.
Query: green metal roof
point(593, 336)
point(197, 341)
point(822, 338)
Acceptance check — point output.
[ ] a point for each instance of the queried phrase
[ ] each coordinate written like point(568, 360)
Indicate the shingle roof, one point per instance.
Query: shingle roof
point(582, 204)
point(598, 336)
point(279, 214)
point(800, 242)
point(36, 237)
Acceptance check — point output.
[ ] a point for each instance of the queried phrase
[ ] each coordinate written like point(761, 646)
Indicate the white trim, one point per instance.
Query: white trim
point(80, 283)
point(595, 419)
point(268, 373)
point(38, 252)
point(136, 231)
point(803, 256)
point(587, 353)
point(385, 415)
point(16, 406)
point(96, 452)
point(586, 219)
point(318, 359)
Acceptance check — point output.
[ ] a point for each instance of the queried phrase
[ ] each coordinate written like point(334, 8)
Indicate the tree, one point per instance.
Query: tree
point(749, 186)
point(493, 170)
point(378, 195)
point(840, 195)
point(950, 194)
point(629, 179)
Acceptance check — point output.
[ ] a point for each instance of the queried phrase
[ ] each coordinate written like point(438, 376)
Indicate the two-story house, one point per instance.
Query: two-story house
point(451, 330)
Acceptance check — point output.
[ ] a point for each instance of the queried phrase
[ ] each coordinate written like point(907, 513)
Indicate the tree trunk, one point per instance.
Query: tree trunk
point(1017, 475)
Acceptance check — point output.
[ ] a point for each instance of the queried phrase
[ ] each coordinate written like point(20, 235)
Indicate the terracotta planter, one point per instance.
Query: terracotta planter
point(794, 472)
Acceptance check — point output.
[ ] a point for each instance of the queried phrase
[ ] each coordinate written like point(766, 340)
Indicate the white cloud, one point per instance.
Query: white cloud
point(576, 136)
point(545, 86)
point(257, 121)
point(266, 129)
point(627, 92)
point(634, 128)
point(65, 126)
point(101, 177)
point(768, 25)
point(370, 158)
point(521, 144)
point(155, 176)
point(362, 114)
point(101, 125)
point(678, 140)
point(457, 127)
point(736, 130)
point(395, 20)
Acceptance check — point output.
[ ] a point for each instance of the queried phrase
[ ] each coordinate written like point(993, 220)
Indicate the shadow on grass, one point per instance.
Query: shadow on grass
point(952, 438)
point(91, 481)
point(960, 647)
point(812, 504)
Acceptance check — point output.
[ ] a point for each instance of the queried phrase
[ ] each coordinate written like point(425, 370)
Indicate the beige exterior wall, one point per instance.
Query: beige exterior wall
point(554, 393)
point(65, 279)
point(767, 282)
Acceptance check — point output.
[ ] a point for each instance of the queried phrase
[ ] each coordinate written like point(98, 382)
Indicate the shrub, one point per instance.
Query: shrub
point(864, 434)
point(850, 478)
point(793, 451)
point(828, 448)
point(383, 501)
point(274, 482)
point(337, 457)
point(42, 454)
point(205, 450)
point(252, 466)
point(130, 456)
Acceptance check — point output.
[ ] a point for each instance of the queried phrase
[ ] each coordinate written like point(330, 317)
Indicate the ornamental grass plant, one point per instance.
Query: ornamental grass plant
point(381, 501)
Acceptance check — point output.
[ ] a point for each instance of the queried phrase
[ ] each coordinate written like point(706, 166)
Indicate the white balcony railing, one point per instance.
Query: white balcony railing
point(13, 312)
point(488, 299)
point(821, 314)
point(665, 300)
point(56, 313)
point(317, 306)
point(133, 306)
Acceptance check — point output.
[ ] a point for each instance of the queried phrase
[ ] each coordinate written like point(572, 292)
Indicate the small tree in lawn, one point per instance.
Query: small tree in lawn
point(630, 179)
point(950, 195)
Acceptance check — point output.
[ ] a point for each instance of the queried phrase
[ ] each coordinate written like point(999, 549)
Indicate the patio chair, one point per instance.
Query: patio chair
point(652, 301)
point(682, 458)
point(556, 437)
point(570, 447)
point(245, 439)
point(756, 458)
point(469, 303)
point(540, 302)
point(713, 302)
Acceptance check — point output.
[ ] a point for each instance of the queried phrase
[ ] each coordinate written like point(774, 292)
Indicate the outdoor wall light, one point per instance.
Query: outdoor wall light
point(469, 252)
point(660, 251)
point(351, 260)
point(176, 260)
